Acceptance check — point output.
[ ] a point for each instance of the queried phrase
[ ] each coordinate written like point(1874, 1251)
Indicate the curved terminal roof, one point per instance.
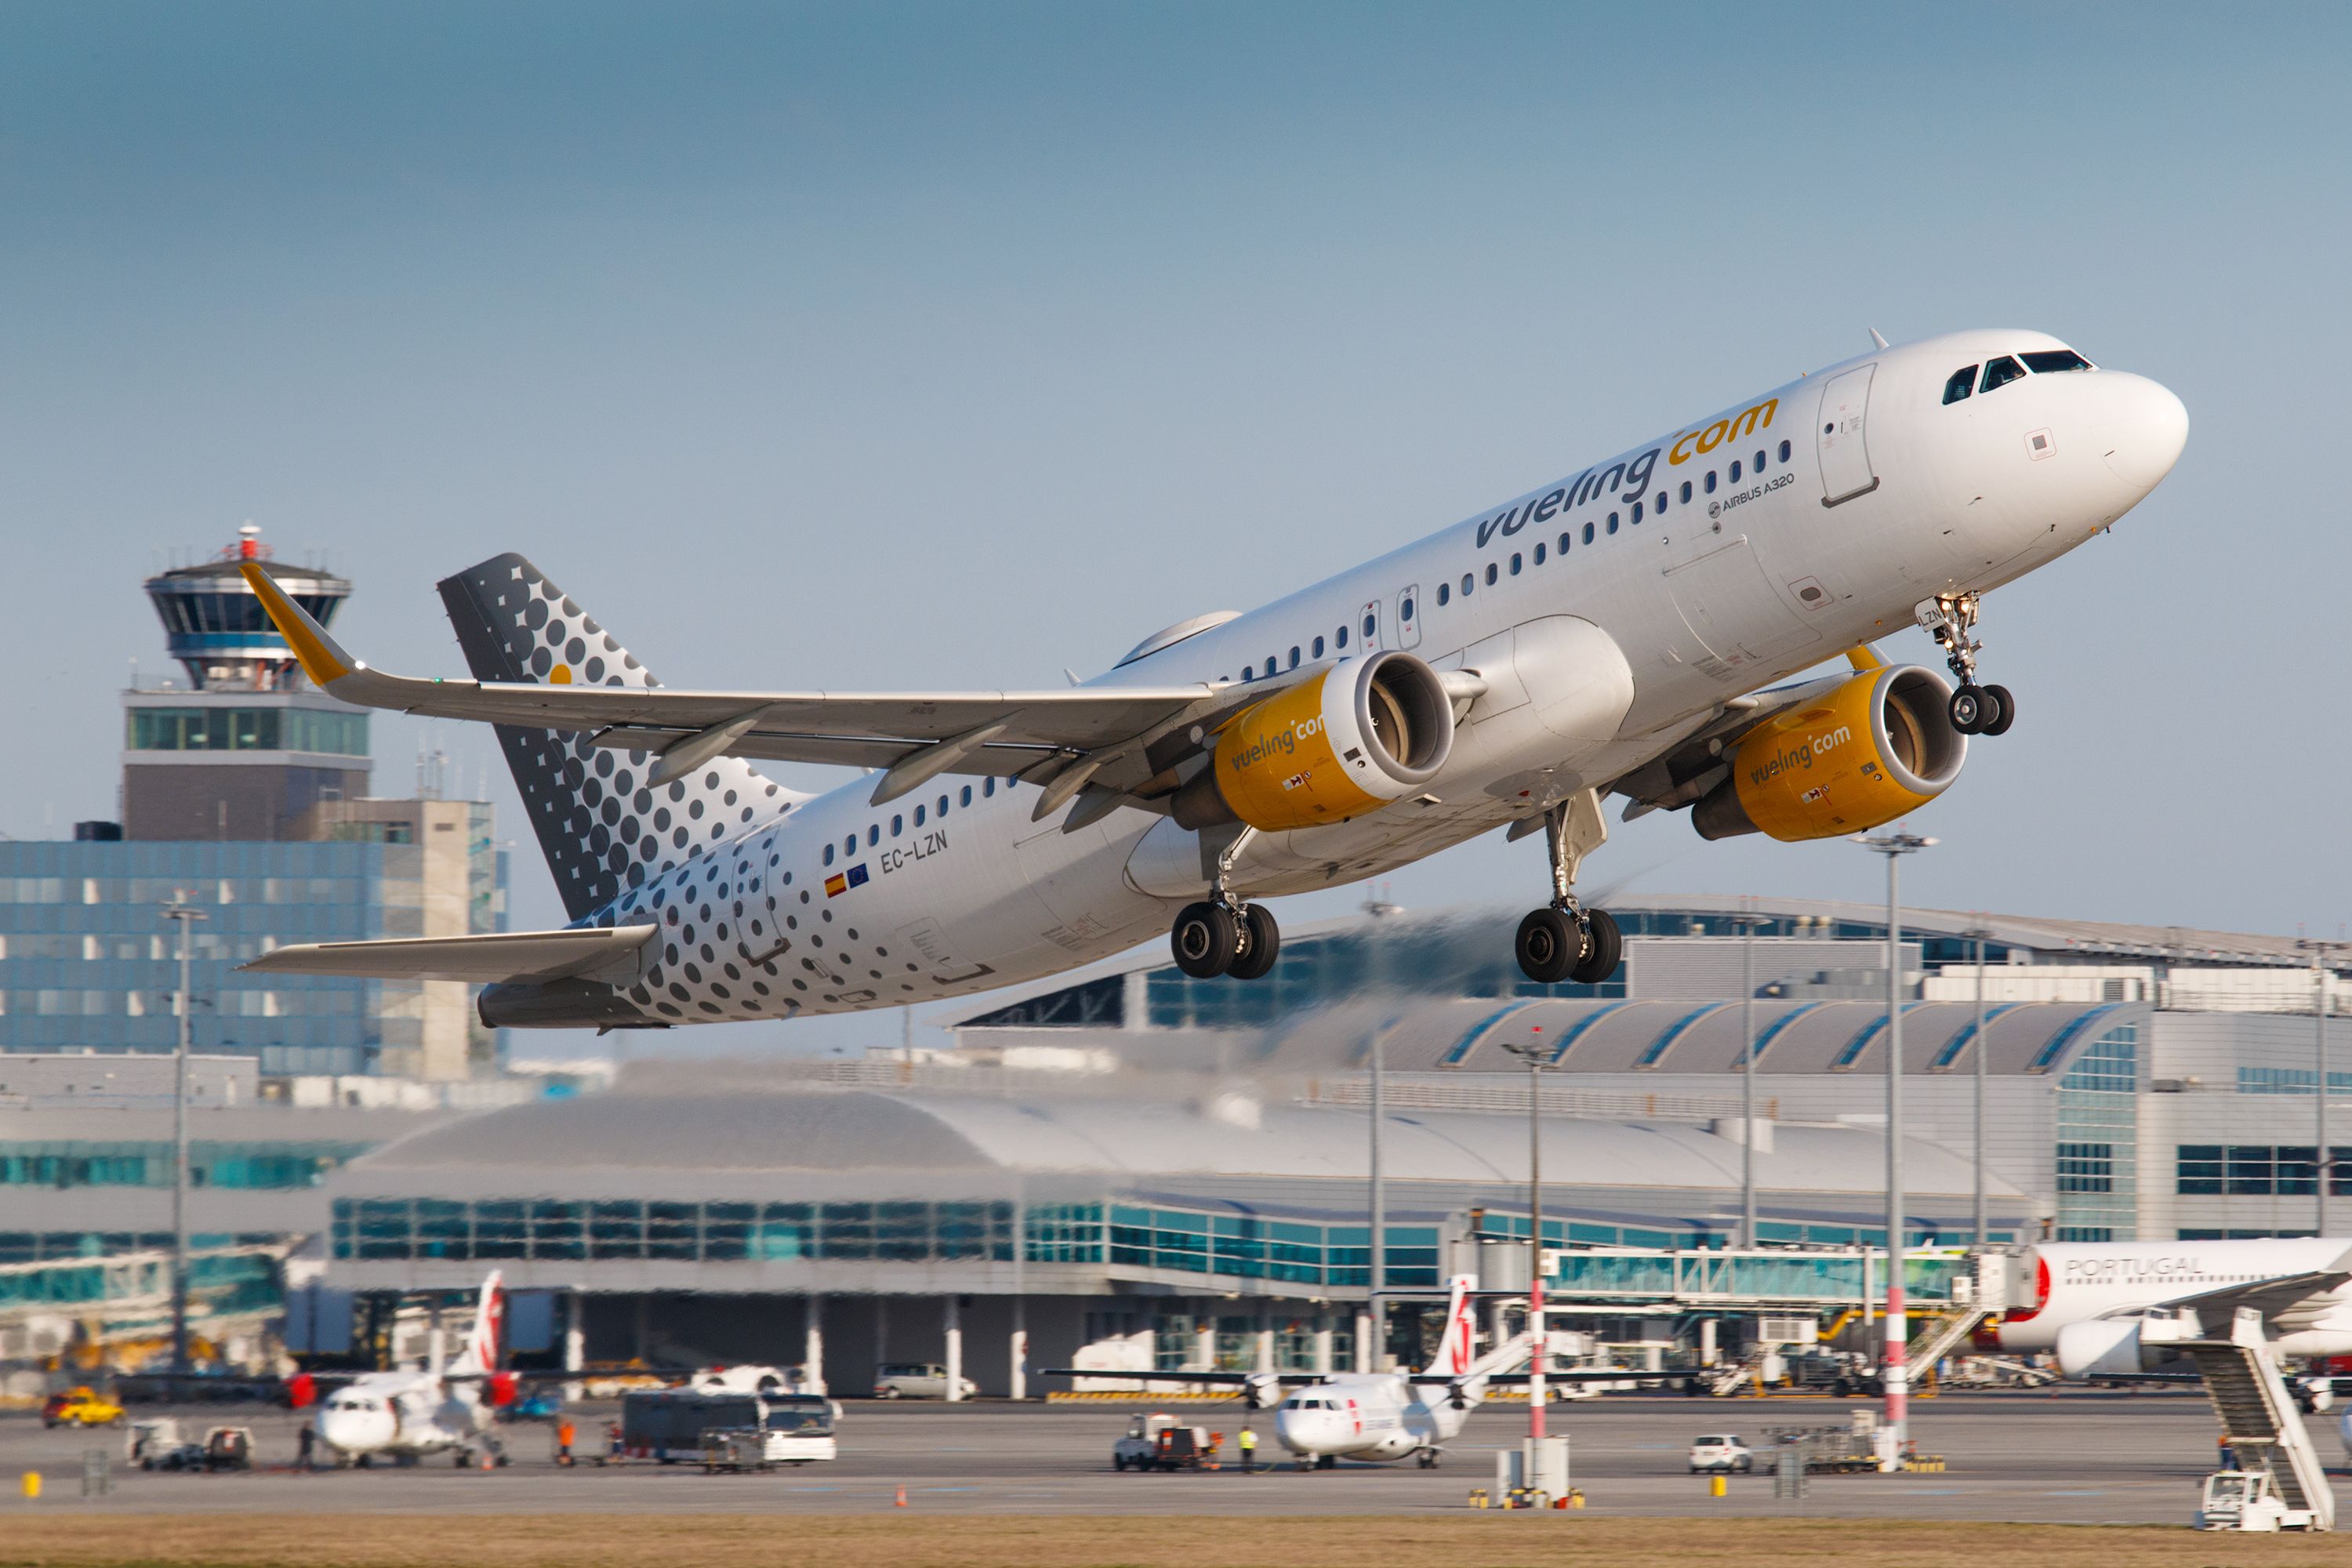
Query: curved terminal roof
point(1470, 1033)
point(938, 1140)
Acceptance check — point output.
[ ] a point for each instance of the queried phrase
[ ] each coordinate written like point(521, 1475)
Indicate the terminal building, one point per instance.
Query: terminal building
point(1130, 1169)
point(246, 792)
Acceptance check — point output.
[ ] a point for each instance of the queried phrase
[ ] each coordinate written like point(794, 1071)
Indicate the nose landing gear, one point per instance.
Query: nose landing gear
point(1565, 941)
point(1974, 710)
point(1221, 935)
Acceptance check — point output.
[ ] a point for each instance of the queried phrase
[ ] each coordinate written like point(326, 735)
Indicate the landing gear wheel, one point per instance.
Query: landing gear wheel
point(1261, 943)
point(1969, 709)
point(1205, 938)
point(1548, 946)
point(1429, 1458)
point(2004, 711)
point(1605, 946)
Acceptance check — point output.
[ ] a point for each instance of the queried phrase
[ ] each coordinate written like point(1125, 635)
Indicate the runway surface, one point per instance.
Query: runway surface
point(2077, 1457)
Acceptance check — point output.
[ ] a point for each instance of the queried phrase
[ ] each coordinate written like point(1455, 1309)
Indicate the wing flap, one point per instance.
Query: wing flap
point(616, 955)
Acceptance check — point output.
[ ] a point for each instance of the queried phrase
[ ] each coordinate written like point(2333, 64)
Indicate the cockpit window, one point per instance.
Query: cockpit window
point(1963, 382)
point(2000, 372)
point(2050, 362)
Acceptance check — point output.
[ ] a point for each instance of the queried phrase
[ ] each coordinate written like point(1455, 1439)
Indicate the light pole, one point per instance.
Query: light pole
point(1896, 1372)
point(1368, 1357)
point(2321, 1155)
point(1980, 933)
point(180, 912)
point(1532, 1049)
point(1747, 921)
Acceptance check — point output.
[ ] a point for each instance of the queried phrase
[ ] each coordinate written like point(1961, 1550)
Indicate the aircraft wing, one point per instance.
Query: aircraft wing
point(2287, 1303)
point(1063, 738)
point(615, 954)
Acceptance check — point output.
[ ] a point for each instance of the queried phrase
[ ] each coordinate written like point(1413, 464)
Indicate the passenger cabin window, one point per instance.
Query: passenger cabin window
point(963, 795)
point(1637, 511)
point(918, 818)
point(828, 854)
point(987, 787)
point(1613, 522)
point(1342, 635)
point(2050, 362)
point(1491, 573)
point(1404, 611)
point(1319, 648)
point(1963, 382)
point(1587, 533)
point(1785, 449)
point(1269, 666)
point(2001, 372)
point(1514, 563)
point(1760, 459)
point(1539, 554)
point(1687, 492)
point(1445, 593)
point(1563, 544)
point(1467, 582)
point(1369, 624)
point(1293, 656)
point(1735, 471)
point(1710, 482)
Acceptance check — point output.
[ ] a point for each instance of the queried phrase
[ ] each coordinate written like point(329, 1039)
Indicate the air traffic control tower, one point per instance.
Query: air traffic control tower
point(248, 747)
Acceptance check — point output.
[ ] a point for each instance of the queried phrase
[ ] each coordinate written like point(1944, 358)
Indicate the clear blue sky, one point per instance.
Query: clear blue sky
point(896, 345)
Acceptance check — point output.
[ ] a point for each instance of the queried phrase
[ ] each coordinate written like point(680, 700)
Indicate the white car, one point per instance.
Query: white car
point(1723, 1451)
point(918, 1380)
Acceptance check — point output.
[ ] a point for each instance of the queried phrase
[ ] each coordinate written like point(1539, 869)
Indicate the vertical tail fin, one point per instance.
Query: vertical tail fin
point(604, 831)
point(486, 1340)
point(1455, 1347)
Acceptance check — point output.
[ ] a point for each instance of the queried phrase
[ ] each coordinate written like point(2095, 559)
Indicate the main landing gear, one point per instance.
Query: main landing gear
point(1565, 941)
point(1975, 710)
point(1221, 935)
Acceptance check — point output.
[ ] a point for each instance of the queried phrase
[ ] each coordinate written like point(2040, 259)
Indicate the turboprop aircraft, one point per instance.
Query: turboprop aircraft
point(1623, 631)
point(1328, 1417)
point(2109, 1307)
point(408, 1414)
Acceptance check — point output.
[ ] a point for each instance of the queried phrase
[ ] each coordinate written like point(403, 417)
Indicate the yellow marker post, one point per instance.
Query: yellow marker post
point(1716, 1486)
point(32, 1484)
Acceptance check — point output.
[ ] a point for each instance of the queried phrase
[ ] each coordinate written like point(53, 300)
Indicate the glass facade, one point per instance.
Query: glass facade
point(2292, 1081)
point(2097, 1143)
point(87, 962)
point(254, 1167)
point(2257, 1169)
point(1185, 1241)
point(219, 1282)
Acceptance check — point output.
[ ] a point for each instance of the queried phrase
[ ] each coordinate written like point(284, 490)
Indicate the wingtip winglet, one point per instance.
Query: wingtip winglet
point(322, 659)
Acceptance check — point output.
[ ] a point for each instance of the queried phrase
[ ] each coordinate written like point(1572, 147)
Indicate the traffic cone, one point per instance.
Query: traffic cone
point(902, 1497)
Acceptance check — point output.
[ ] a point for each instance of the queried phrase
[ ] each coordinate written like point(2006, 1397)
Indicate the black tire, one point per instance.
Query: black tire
point(1118, 1462)
point(1603, 953)
point(1966, 711)
point(1548, 946)
point(1261, 946)
point(1204, 939)
point(2005, 711)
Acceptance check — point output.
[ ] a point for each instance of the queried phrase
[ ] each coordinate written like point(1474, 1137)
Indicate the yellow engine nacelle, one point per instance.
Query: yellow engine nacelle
point(1869, 748)
point(1364, 733)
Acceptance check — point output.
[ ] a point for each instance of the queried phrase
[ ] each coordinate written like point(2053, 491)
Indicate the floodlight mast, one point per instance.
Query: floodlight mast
point(1897, 1369)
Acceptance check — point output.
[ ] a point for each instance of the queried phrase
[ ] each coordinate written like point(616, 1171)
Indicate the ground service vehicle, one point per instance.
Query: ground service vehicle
point(918, 1380)
point(671, 1424)
point(1161, 1442)
point(1723, 1451)
point(81, 1407)
point(2247, 1499)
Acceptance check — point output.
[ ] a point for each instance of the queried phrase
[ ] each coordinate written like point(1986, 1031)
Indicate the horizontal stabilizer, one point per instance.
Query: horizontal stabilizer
point(616, 956)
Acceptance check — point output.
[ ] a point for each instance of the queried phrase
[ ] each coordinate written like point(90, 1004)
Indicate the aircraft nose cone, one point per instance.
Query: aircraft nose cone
point(2147, 432)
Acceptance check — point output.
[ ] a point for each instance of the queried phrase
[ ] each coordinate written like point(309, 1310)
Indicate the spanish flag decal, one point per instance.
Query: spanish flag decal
point(841, 882)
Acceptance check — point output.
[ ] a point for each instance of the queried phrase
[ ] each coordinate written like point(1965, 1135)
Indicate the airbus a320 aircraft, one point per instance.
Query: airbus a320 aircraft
point(1617, 631)
point(408, 1414)
point(2093, 1301)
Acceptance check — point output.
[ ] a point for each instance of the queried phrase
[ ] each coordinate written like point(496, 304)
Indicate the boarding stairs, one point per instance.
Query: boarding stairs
point(2259, 1420)
point(1940, 1339)
point(1739, 1374)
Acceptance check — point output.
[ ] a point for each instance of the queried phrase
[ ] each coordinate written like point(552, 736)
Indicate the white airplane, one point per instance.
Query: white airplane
point(408, 1414)
point(1619, 631)
point(2095, 1302)
point(1371, 1415)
